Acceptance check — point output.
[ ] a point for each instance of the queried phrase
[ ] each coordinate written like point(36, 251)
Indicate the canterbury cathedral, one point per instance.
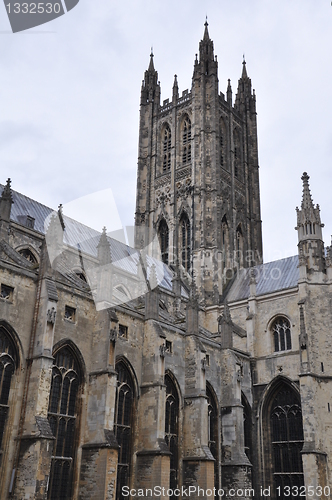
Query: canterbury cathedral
point(184, 366)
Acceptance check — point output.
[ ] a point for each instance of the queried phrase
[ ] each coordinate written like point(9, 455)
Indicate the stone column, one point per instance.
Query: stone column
point(153, 456)
point(198, 462)
point(36, 438)
point(100, 451)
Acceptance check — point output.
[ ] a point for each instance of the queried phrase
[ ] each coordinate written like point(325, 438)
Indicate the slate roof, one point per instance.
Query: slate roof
point(270, 277)
point(86, 239)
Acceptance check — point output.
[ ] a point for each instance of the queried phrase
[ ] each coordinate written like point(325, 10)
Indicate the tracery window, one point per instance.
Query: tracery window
point(287, 439)
point(172, 429)
point(123, 426)
point(213, 432)
point(28, 255)
point(63, 418)
point(281, 334)
point(237, 155)
point(185, 241)
point(222, 143)
point(186, 141)
point(163, 235)
point(7, 369)
point(167, 142)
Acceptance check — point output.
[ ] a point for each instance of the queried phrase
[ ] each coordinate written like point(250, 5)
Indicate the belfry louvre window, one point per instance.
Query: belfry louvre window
point(172, 429)
point(186, 141)
point(163, 235)
point(167, 142)
point(7, 369)
point(123, 425)
point(185, 241)
point(62, 415)
point(287, 439)
point(213, 432)
point(281, 335)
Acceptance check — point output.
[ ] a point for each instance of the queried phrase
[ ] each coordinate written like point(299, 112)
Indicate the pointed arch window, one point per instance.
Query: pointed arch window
point(239, 245)
point(163, 235)
point(237, 156)
point(172, 429)
point(123, 426)
point(224, 240)
point(213, 432)
point(8, 363)
point(286, 435)
point(63, 415)
point(186, 141)
point(185, 241)
point(281, 334)
point(247, 425)
point(222, 143)
point(167, 143)
point(28, 255)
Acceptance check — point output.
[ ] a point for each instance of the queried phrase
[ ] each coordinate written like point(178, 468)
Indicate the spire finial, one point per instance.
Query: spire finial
point(306, 198)
point(206, 31)
point(244, 69)
point(151, 65)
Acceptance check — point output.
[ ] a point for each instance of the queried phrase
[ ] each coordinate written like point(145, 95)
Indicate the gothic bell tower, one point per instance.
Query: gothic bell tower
point(197, 180)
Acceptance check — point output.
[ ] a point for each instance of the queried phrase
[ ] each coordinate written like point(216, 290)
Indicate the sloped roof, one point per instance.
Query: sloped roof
point(84, 238)
point(270, 277)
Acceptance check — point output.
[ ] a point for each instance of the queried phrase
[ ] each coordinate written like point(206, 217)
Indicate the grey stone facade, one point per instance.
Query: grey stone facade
point(119, 370)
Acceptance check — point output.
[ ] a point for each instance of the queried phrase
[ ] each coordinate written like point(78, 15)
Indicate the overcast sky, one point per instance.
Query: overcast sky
point(70, 90)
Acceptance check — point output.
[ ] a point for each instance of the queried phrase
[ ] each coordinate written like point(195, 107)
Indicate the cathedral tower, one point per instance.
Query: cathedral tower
point(197, 181)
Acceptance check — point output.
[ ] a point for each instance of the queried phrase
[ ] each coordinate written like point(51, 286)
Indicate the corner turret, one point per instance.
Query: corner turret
point(245, 99)
point(309, 228)
point(150, 91)
point(207, 64)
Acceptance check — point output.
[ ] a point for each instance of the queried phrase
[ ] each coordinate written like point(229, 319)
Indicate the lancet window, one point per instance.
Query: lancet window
point(63, 415)
point(123, 426)
point(281, 334)
point(7, 368)
point(186, 141)
point(213, 432)
point(185, 241)
point(167, 143)
point(172, 429)
point(163, 235)
point(286, 433)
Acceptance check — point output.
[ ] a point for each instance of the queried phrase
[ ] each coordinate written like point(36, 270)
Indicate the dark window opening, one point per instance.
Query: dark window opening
point(186, 138)
point(123, 426)
point(247, 426)
point(185, 241)
point(168, 346)
point(81, 276)
point(163, 240)
point(7, 369)
point(167, 142)
point(172, 430)
point(221, 146)
point(213, 433)
point(6, 293)
point(70, 313)
point(281, 335)
point(123, 331)
point(28, 255)
point(63, 416)
point(287, 440)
